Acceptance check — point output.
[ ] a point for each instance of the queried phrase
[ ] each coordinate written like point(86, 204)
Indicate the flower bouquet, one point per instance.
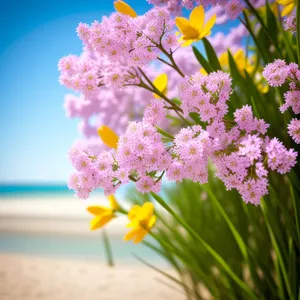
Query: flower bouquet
point(215, 115)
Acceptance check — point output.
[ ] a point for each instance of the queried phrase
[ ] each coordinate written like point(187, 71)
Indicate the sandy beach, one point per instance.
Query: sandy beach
point(38, 278)
point(53, 215)
point(36, 235)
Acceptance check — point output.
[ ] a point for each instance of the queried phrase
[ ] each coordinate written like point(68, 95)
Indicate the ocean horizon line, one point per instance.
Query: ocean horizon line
point(19, 188)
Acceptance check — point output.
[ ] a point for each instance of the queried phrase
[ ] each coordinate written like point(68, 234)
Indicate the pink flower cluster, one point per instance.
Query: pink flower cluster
point(141, 155)
point(192, 148)
point(290, 23)
point(294, 130)
point(80, 73)
point(130, 41)
point(115, 107)
point(241, 152)
point(206, 95)
point(279, 73)
point(232, 7)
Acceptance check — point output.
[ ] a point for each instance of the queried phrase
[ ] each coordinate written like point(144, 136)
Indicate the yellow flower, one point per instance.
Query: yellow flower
point(124, 8)
point(193, 30)
point(243, 64)
point(262, 10)
point(108, 136)
point(240, 59)
point(161, 83)
point(103, 214)
point(289, 6)
point(203, 72)
point(141, 222)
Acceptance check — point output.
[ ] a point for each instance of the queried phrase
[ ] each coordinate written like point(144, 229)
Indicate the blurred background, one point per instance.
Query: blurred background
point(43, 227)
point(36, 134)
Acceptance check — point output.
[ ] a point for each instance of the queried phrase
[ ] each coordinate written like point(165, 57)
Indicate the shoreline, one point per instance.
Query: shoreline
point(63, 216)
point(24, 277)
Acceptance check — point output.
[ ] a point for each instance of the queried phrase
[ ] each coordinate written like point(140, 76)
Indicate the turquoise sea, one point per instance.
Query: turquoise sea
point(64, 246)
point(73, 247)
point(28, 190)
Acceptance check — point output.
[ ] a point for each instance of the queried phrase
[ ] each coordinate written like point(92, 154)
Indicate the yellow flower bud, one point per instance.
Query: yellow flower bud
point(108, 136)
point(161, 83)
point(123, 8)
point(141, 220)
point(103, 214)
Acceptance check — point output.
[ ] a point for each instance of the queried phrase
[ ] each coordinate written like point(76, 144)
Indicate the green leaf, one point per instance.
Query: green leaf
point(164, 133)
point(279, 256)
point(263, 51)
point(211, 55)
point(293, 276)
point(272, 24)
point(195, 116)
point(201, 59)
point(176, 101)
point(172, 278)
point(264, 27)
point(235, 233)
point(107, 249)
point(214, 254)
point(296, 207)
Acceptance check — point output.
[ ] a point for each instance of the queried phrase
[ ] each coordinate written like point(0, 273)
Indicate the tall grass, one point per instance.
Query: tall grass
point(221, 247)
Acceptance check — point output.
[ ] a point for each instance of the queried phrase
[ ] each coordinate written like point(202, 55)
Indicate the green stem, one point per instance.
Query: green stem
point(263, 26)
point(107, 249)
point(171, 58)
point(195, 235)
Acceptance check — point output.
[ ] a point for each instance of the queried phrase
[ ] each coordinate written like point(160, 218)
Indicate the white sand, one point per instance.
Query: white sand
point(59, 215)
point(34, 278)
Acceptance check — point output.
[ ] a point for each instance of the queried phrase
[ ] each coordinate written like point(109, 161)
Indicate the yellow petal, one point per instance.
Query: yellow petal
point(131, 234)
point(98, 210)
point(286, 2)
point(100, 221)
point(197, 17)
point(139, 236)
point(187, 43)
point(274, 8)
point(185, 27)
point(146, 211)
point(202, 71)
point(161, 83)
point(108, 136)
point(151, 222)
point(223, 59)
point(287, 9)
point(123, 8)
point(135, 223)
point(263, 89)
point(208, 26)
point(134, 211)
point(113, 202)
point(239, 55)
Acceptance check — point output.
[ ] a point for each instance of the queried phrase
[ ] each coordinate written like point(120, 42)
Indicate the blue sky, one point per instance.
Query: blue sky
point(36, 135)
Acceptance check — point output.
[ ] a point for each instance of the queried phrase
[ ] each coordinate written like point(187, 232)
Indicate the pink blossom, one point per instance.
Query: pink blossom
point(233, 8)
point(294, 130)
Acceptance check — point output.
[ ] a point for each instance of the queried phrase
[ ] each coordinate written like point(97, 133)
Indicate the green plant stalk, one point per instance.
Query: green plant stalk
point(218, 258)
point(107, 249)
point(262, 51)
point(263, 26)
point(296, 210)
point(277, 251)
